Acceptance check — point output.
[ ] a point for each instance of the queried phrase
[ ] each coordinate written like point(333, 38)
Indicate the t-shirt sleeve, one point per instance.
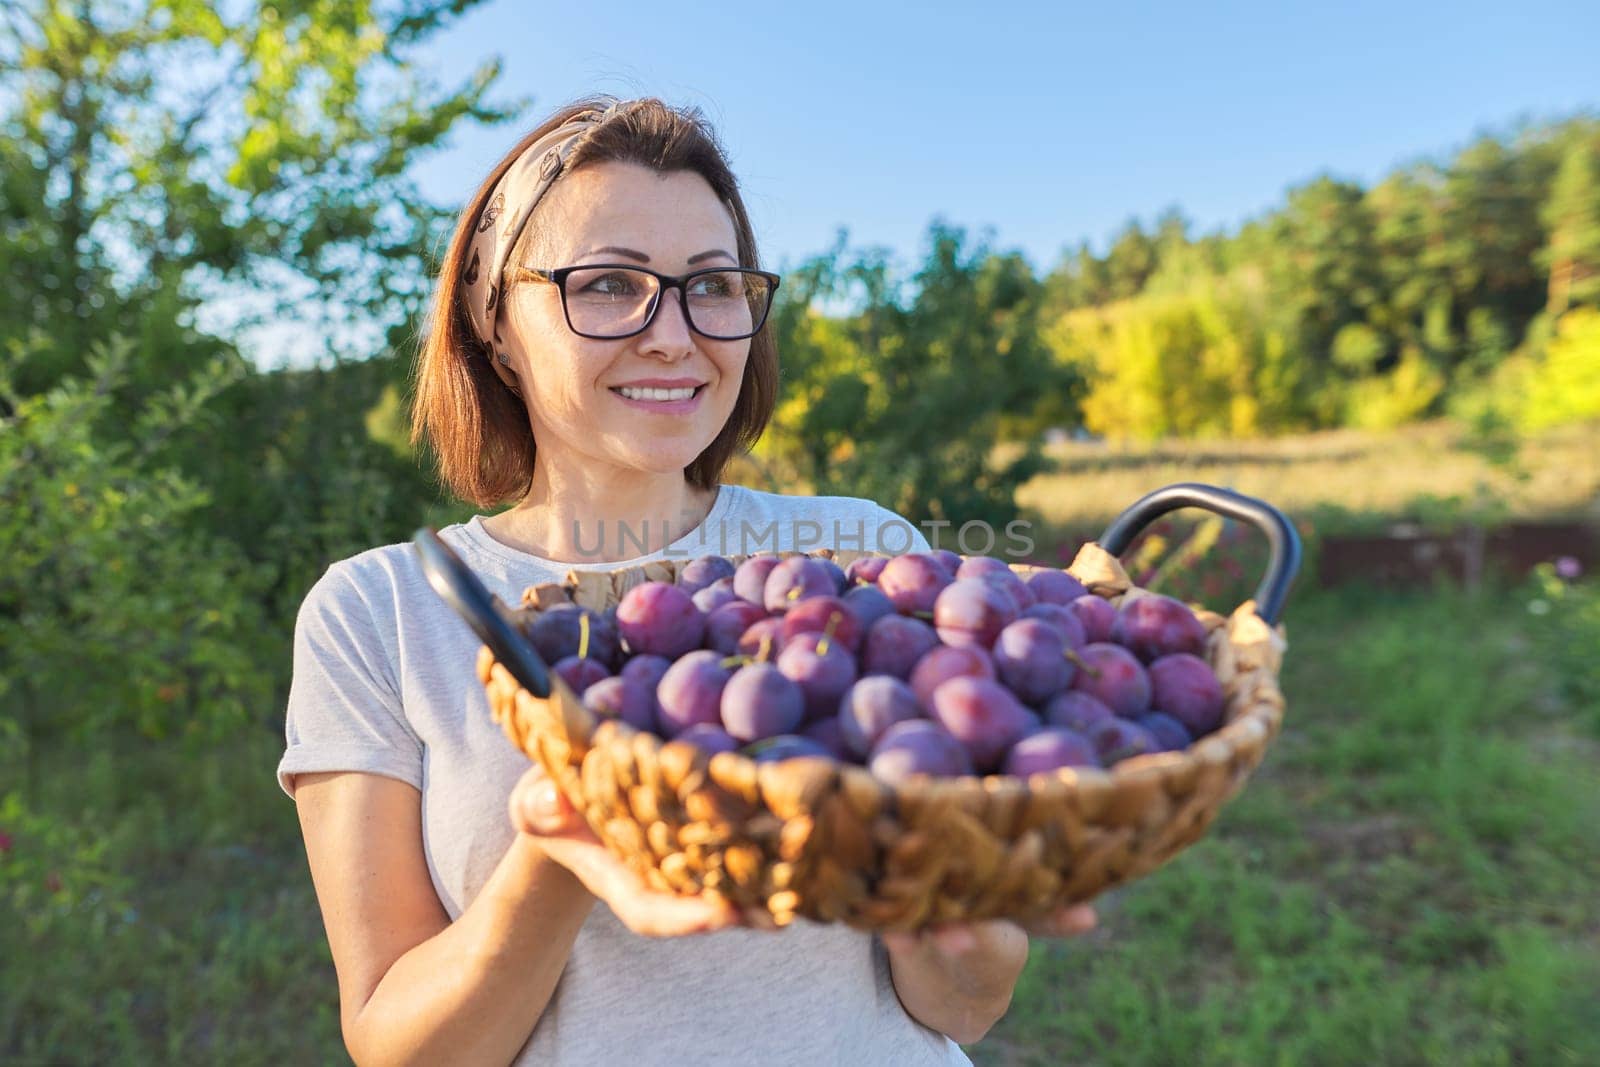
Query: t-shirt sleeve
point(890, 534)
point(344, 710)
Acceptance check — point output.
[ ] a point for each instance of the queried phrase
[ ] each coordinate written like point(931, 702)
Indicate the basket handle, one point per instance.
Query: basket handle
point(486, 613)
point(1282, 540)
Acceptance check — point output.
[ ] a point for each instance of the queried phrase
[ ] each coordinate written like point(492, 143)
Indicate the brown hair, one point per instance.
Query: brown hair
point(476, 426)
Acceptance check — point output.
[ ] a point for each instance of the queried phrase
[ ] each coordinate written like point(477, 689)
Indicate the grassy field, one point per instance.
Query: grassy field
point(163, 912)
point(1430, 471)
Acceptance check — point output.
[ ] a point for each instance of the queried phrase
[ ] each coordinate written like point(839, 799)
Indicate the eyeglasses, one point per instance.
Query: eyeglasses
point(606, 301)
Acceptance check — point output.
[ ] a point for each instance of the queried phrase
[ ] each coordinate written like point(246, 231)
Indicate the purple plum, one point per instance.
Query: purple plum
point(1154, 626)
point(915, 747)
point(1186, 688)
point(1050, 749)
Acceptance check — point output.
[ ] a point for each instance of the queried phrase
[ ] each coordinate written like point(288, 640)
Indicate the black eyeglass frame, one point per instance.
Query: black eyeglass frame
point(557, 276)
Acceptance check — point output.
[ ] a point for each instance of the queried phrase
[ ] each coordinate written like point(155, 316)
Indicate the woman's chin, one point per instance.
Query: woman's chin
point(661, 459)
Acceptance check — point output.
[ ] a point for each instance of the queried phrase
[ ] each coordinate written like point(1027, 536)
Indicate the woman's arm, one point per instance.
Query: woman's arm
point(417, 988)
point(413, 986)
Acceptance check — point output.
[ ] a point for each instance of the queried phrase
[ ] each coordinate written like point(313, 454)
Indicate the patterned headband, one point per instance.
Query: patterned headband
point(515, 196)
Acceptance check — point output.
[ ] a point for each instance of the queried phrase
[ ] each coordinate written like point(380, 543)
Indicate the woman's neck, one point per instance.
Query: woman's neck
point(601, 515)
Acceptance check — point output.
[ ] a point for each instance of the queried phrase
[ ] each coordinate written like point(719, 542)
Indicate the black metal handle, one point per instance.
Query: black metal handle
point(486, 613)
point(1282, 540)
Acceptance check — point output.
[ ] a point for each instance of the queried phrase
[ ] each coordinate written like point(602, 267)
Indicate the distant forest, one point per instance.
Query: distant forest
point(1469, 287)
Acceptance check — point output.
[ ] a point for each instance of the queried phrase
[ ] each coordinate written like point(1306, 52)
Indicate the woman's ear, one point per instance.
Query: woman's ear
point(502, 369)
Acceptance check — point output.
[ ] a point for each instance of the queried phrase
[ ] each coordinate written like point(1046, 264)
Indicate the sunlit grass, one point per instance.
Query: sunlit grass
point(1403, 473)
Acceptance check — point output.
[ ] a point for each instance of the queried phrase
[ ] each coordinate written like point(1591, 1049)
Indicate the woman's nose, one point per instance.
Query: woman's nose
point(669, 331)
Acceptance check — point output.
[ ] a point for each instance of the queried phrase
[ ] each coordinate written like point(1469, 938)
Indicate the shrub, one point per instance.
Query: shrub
point(113, 608)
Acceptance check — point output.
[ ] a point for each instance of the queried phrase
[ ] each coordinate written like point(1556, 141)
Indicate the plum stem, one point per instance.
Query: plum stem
point(827, 632)
point(1078, 661)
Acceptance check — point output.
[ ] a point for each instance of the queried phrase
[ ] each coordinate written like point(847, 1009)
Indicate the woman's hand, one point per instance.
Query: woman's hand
point(957, 978)
point(539, 810)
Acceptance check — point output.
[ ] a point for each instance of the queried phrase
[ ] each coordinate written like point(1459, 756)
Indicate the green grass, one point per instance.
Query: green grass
point(1409, 878)
point(1430, 472)
point(185, 929)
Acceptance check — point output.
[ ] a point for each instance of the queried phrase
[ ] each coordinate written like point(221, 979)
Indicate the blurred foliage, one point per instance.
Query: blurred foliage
point(1562, 383)
point(173, 175)
point(1456, 287)
point(1572, 216)
point(1566, 614)
point(1365, 308)
point(157, 153)
point(901, 396)
point(1204, 361)
point(160, 910)
point(115, 607)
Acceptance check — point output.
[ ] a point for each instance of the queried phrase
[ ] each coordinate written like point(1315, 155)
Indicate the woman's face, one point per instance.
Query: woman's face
point(623, 213)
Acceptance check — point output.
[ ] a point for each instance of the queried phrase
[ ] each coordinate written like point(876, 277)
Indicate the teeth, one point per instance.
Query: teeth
point(653, 393)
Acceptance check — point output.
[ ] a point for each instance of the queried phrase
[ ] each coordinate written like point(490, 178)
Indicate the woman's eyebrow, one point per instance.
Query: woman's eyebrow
point(632, 253)
point(629, 252)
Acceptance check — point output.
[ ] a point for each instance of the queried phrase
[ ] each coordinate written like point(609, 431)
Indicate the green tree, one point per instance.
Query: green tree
point(904, 396)
point(1325, 269)
point(164, 154)
point(1414, 274)
point(1130, 262)
point(1572, 216)
point(1079, 280)
point(1563, 384)
point(173, 175)
point(1204, 361)
point(114, 610)
point(1492, 230)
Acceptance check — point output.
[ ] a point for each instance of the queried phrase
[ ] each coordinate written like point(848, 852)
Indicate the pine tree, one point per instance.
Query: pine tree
point(1572, 214)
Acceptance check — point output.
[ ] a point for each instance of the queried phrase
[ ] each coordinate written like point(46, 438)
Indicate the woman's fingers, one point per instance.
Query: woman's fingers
point(1066, 922)
point(638, 907)
point(947, 939)
point(537, 806)
point(957, 939)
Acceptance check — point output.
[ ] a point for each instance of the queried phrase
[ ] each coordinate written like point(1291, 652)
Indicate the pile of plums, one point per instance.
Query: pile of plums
point(925, 663)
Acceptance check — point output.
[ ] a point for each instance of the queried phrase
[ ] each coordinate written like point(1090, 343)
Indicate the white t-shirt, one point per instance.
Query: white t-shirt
point(384, 683)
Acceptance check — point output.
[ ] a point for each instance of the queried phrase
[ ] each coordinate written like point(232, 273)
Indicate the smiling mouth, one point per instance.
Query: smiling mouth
point(656, 393)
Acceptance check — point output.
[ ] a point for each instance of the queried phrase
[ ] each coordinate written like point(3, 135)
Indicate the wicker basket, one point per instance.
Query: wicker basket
point(829, 841)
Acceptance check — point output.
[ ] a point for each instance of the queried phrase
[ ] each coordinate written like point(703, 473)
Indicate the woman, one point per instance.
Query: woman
point(595, 353)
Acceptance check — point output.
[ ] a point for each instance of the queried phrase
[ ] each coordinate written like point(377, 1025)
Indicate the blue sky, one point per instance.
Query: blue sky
point(1048, 124)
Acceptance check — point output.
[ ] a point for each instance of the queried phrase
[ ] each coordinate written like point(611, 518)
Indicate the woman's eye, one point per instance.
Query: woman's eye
point(612, 284)
point(714, 286)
